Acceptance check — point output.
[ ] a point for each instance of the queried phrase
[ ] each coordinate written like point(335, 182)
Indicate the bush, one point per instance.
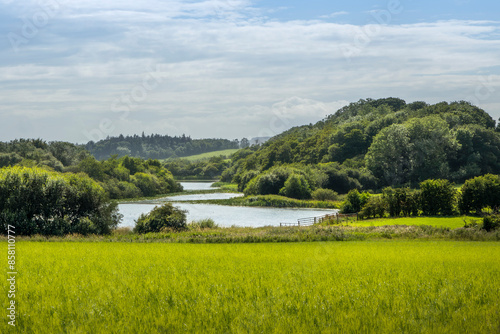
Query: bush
point(296, 186)
point(203, 224)
point(437, 197)
point(375, 206)
point(401, 201)
point(491, 223)
point(480, 192)
point(322, 194)
point(37, 201)
point(354, 201)
point(165, 216)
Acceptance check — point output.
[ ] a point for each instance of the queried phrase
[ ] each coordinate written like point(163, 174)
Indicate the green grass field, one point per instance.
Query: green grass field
point(332, 287)
point(451, 222)
point(208, 155)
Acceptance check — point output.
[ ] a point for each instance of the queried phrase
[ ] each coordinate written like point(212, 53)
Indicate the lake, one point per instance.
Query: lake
point(222, 215)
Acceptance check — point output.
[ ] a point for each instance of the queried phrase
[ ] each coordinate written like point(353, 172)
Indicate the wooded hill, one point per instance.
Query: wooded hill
point(123, 177)
point(157, 146)
point(371, 144)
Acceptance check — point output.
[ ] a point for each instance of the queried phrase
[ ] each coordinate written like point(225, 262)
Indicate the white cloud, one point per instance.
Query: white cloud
point(335, 14)
point(228, 70)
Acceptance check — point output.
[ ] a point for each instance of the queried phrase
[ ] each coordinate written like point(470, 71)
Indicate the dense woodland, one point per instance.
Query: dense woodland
point(123, 177)
point(371, 144)
point(158, 147)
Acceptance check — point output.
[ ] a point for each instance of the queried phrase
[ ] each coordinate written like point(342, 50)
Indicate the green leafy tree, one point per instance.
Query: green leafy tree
point(480, 192)
point(322, 194)
point(296, 186)
point(37, 201)
point(354, 201)
point(374, 207)
point(438, 197)
point(389, 156)
point(163, 217)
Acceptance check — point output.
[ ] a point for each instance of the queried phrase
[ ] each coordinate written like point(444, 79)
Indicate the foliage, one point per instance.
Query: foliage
point(322, 194)
point(202, 224)
point(401, 201)
point(480, 192)
point(371, 144)
point(37, 201)
point(205, 169)
point(437, 197)
point(354, 201)
point(296, 186)
point(156, 146)
point(491, 223)
point(165, 216)
point(374, 207)
point(275, 201)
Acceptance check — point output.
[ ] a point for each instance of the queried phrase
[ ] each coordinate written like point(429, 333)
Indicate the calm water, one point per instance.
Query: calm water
point(197, 185)
point(226, 215)
point(222, 215)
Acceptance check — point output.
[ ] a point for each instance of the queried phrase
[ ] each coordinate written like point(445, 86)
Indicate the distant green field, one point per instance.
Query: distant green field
point(322, 287)
point(451, 222)
point(208, 155)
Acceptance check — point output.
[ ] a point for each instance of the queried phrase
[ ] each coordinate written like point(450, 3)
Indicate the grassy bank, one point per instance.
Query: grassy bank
point(272, 201)
point(205, 156)
point(361, 287)
point(349, 232)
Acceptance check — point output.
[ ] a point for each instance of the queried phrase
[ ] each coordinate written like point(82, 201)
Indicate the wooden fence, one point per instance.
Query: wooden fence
point(338, 217)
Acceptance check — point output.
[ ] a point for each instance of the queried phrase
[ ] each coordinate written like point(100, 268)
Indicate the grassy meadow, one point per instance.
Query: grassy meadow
point(449, 222)
point(208, 155)
point(334, 287)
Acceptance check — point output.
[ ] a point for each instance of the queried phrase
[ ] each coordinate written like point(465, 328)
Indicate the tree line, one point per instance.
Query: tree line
point(123, 177)
point(157, 146)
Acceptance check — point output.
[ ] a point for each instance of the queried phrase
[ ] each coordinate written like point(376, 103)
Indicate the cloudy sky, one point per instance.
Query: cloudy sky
point(83, 70)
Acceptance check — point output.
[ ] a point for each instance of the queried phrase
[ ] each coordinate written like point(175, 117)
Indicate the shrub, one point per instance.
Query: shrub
point(480, 192)
point(437, 197)
point(37, 201)
point(401, 201)
point(322, 194)
point(374, 206)
point(491, 223)
point(296, 186)
point(203, 224)
point(354, 201)
point(165, 216)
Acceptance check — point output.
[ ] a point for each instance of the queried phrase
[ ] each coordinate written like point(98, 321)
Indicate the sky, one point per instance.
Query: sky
point(83, 70)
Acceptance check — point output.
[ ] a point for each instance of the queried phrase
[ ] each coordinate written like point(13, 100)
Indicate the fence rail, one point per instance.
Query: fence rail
point(319, 219)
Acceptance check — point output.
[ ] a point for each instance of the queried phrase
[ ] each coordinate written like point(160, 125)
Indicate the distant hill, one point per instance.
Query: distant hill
point(156, 146)
point(370, 144)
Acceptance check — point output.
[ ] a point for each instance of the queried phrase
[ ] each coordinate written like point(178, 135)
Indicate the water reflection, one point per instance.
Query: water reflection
point(223, 215)
point(227, 215)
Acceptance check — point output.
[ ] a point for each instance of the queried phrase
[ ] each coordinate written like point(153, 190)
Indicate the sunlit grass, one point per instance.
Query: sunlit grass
point(451, 222)
point(208, 155)
point(354, 287)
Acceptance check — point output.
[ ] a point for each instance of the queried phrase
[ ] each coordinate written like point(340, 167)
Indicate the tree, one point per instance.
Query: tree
point(322, 194)
point(163, 217)
point(37, 201)
point(389, 155)
point(437, 197)
point(354, 201)
point(480, 192)
point(432, 144)
point(375, 206)
point(296, 186)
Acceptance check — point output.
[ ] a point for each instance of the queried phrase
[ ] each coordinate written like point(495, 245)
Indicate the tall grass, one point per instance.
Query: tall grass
point(360, 287)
